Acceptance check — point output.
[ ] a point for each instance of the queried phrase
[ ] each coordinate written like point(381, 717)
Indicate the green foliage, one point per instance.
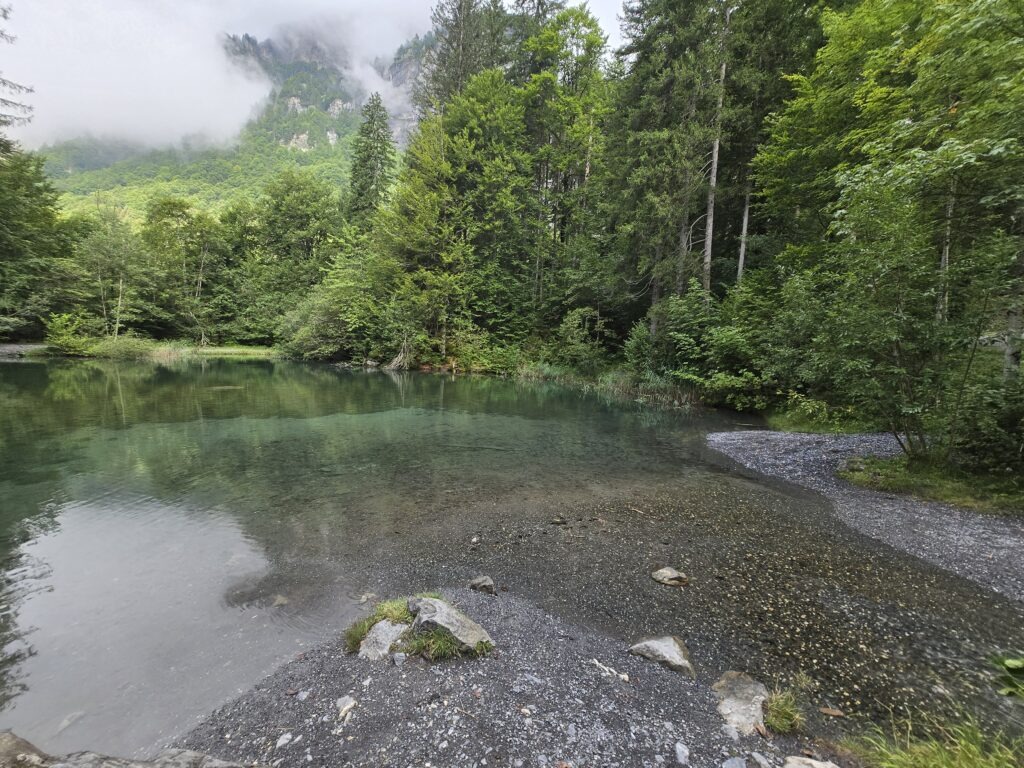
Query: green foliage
point(578, 342)
point(961, 746)
point(434, 645)
point(782, 712)
point(1011, 676)
point(65, 335)
point(125, 347)
point(373, 160)
point(930, 477)
point(395, 611)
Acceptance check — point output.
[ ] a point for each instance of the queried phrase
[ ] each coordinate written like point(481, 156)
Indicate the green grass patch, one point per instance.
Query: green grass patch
point(395, 611)
point(963, 746)
point(782, 712)
point(433, 644)
point(937, 482)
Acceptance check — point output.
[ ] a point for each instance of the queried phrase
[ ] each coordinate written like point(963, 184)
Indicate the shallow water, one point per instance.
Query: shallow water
point(168, 535)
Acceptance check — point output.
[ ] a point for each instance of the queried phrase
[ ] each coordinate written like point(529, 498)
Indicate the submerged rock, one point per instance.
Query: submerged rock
point(668, 651)
point(483, 584)
point(431, 614)
point(741, 701)
point(670, 577)
point(378, 641)
point(18, 753)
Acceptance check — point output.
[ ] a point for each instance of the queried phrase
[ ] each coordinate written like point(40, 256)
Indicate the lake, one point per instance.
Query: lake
point(169, 534)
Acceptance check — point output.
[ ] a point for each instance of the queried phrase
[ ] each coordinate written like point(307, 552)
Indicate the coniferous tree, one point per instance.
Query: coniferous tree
point(458, 53)
point(12, 111)
point(373, 161)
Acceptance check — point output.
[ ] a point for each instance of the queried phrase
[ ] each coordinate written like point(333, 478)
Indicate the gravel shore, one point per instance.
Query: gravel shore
point(984, 548)
point(541, 698)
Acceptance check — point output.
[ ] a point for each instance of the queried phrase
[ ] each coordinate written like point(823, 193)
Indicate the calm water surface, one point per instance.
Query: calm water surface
point(170, 534)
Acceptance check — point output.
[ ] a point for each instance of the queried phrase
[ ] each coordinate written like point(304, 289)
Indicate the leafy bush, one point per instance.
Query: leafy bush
point(65, 335)
point(991, 433)
point(579, 341)
point(126, 347)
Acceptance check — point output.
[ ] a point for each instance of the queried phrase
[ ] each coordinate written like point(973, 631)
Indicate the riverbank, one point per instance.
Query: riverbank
point(982, 548)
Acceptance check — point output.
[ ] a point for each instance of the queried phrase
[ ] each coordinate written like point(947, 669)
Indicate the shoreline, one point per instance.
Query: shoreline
point(983, 548)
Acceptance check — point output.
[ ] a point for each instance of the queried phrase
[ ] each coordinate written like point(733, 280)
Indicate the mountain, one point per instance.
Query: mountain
point(307, 121)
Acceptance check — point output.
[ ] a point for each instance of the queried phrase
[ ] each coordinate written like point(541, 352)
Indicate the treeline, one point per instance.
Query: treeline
point(777, 204)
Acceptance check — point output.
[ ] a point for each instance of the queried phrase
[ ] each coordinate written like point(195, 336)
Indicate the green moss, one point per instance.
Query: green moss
point(963, 746)
point(432, 595)
point(937, 482)
point(782, 713)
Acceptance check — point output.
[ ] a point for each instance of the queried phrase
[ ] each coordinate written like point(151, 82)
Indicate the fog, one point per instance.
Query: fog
point(154, 71)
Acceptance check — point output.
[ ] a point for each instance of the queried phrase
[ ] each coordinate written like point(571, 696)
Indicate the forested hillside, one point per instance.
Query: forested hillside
point(308, 122)
point(783, 204)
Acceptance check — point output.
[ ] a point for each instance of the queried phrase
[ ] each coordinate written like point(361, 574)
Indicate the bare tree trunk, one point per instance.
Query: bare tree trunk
point(709, 222)
point(743, 236)
point(942, 311)
point(685, 241)
point(120, 303)
point(655, 290)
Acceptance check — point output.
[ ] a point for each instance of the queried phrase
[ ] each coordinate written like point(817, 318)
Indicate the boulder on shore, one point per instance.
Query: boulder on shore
point(806, 762)
point(378, 641)
point(668, 651)
point(432, 614)
point(741, 701)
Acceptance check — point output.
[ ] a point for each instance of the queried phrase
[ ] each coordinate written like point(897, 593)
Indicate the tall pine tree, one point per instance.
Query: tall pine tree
point(373, 161)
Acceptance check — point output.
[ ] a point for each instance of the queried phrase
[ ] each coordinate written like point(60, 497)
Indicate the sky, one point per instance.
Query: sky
point(153, 71)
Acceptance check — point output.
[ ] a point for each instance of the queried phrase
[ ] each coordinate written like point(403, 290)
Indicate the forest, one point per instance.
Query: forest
point(806, 208)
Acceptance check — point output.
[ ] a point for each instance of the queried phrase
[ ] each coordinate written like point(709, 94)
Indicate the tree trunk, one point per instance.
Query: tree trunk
point(743, 236)
point(942, 311)
point(120, 304)
point(685, 241)
point(709, 223)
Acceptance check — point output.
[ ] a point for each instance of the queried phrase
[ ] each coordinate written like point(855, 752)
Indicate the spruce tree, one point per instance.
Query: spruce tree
point(12, 112)
point(373, 161)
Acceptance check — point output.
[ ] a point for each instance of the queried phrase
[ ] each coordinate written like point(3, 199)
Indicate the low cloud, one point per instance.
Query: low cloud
point(154, 71)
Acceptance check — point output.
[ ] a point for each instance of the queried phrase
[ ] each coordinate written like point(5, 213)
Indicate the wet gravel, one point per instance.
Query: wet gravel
point(540, 699)
point(987, 549)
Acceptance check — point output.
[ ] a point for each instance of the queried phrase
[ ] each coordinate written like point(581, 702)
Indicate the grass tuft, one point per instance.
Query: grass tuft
point(782, 713)
point(962, 746)
point(355, 634)
point(395, 611)
point(434, 595)
point(433, 644)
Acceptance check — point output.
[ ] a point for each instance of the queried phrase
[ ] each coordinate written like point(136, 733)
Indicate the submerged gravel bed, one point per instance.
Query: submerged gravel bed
point(987, 549)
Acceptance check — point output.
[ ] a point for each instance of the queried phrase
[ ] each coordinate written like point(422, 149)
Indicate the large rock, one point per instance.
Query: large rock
point(669, 651)
point(18, 753)
point(378, 641)
point(806, 762)
point(437, 614)
point(670, 577)
point(741, 701)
